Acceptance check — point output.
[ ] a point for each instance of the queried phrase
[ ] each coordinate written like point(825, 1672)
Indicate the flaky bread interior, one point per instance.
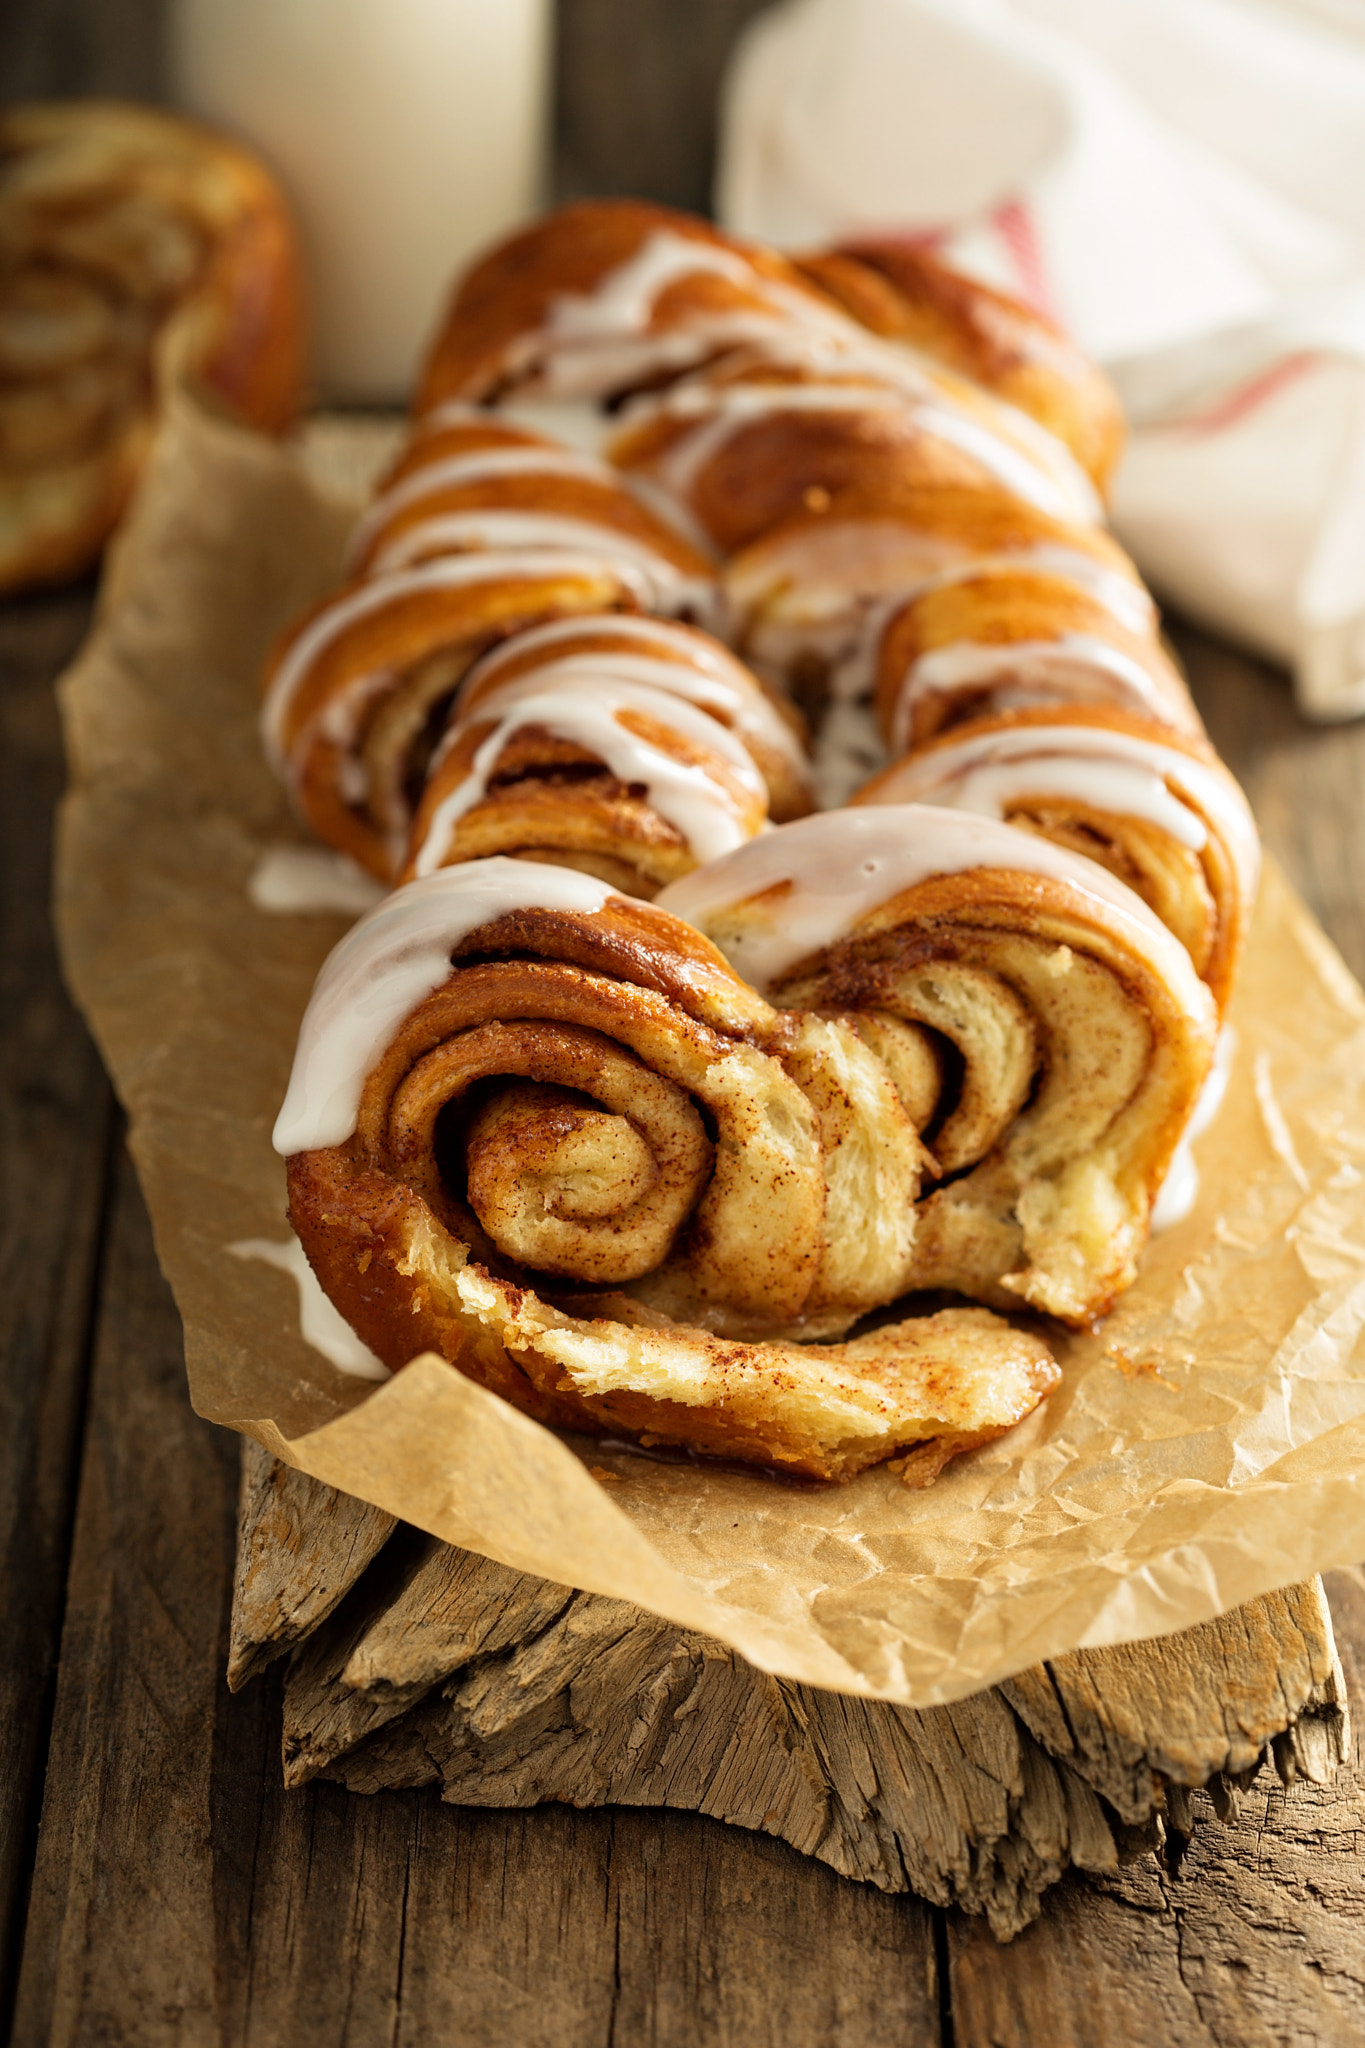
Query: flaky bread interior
point(1076, 1067)
point(932, 1386)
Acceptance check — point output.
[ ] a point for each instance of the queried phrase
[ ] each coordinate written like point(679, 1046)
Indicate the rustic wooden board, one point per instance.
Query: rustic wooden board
point(181, 1895)
point(55, 1120)
point(1251, 1935)
point(443, 1667)
point(279, 1594)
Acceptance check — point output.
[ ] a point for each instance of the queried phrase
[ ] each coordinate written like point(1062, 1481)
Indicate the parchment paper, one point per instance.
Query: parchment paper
point(1208, 1442)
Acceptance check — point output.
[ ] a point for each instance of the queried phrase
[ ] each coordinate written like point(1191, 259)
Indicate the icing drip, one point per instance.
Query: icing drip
point(704, 673)
point(833, 870)
point(1026, 673)
point(320, 1325)
point(388, 963)
point(599, 340)
point(622, 303)
point(699, 808)
point(1106, 770)
point(474, 466)
point(670, 589)
point(726, 409)
point(295, 880)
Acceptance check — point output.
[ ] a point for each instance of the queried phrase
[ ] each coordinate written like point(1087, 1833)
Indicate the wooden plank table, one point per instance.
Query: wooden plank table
point(160, 1886)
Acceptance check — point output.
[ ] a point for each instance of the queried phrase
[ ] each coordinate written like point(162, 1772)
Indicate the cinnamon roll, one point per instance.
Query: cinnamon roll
point(627, 747)
point(561, 1143)
point(139, 251)
point(1009, 635)
point(1071, 1033)
point(467, 480)
point(356, 692)
point(560, 1140)
point(1156, 808)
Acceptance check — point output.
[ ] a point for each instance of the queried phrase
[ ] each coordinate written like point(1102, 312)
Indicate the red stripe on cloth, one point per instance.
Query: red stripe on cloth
point(1014, 224)
point(1247, 398)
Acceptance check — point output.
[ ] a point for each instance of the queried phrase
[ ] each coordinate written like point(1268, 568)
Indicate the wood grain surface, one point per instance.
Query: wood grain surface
point(180, 1894)
point(417, 1663)
point(157, 1882)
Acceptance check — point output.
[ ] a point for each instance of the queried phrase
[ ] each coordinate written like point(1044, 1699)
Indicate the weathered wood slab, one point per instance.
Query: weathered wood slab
point(444, 1668)
point(300, 1549)
point(1250, 1935)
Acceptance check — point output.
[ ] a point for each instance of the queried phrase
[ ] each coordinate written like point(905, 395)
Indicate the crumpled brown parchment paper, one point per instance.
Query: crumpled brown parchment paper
point(1207, 1444)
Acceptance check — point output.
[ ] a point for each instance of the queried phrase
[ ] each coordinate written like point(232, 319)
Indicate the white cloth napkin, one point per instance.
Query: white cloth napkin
point(1182, 184)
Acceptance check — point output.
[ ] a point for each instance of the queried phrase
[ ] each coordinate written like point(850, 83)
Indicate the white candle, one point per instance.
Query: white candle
point(407, 133)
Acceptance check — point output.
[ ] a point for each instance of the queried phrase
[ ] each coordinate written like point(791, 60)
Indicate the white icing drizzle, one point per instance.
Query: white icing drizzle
point(1031, 672)
point(388, 963)
point(1121, 772)
point(295, 880)
point(704, 812)
point(671, 589)
point(1179, 1191)
point(445, 573)
point(475, 466)
point(854, 351)
point(320, 1325)
point(840, 866)
point(622, 302)
point(597, 340)
point(703, 672)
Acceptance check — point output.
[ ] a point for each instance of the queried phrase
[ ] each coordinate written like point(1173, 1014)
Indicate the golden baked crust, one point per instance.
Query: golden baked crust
point(1004, 606)
point(908, 294)
point(494, 335)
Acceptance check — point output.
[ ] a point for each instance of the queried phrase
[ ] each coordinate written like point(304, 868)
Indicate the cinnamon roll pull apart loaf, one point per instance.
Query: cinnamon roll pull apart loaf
point(547, 1132)
point(646, 1097)
point(137, 251)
